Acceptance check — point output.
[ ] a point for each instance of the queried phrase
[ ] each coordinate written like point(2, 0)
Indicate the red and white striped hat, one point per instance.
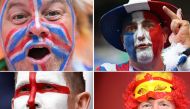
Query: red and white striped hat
point(111, 23)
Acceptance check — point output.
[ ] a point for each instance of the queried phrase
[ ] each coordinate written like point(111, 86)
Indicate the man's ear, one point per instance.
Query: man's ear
point(83, 100)
point(12, 103)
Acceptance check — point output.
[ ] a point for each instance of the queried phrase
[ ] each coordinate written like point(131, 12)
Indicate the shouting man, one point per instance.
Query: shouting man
point(38, 34)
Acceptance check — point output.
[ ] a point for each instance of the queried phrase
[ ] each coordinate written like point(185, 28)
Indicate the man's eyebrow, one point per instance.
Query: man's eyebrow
point(22, 83)
point(55, 1)
point(13, 4)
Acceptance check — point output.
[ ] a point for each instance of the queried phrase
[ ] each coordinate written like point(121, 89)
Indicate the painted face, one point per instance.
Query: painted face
point(143, 37)
point(37, 34)
point(41, 90)
point(157, 104)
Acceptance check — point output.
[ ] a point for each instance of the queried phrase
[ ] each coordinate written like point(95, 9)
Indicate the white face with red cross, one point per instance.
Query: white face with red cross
point(41, 90)
point(143, 38)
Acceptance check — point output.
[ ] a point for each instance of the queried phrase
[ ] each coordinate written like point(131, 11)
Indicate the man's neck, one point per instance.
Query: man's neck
point(155, 65)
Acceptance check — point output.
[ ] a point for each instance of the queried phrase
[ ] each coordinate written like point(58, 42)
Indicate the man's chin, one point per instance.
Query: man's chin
point(52, 64)
point(145, 56)
point(144, 60)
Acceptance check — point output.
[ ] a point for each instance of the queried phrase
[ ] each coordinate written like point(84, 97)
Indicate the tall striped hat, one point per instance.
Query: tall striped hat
point(111, 22)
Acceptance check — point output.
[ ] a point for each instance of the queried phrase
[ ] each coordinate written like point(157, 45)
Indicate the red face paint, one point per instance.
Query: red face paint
point(156, 34)
point(31, 100)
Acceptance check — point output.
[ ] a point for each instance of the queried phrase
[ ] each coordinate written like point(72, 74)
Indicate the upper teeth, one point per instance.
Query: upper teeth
point(39, 47)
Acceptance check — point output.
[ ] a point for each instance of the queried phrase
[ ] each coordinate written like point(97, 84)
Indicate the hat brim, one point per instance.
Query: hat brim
point(111, 23)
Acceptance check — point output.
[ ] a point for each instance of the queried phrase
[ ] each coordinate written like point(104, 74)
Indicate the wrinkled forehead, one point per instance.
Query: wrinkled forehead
point(30, 3)
point(57, 78)
point(140, 16)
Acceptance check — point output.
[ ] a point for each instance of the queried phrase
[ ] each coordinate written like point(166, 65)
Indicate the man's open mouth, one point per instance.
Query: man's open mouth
point(143, 46)
point(38, 52)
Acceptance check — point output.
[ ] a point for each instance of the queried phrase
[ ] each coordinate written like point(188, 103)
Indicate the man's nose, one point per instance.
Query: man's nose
point(39, 31)
point(36, 106)
point(140, 35)
point(141, 38)
point(34, 103)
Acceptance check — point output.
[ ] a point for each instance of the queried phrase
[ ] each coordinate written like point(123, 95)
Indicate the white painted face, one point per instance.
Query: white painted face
point(41, 90)
point(142, 39)
point(157, 104)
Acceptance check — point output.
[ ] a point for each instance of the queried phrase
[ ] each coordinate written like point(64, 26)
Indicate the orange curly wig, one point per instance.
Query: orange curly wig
point(177, 94)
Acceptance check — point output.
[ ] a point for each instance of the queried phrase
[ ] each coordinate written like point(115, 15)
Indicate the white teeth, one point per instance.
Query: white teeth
point(39, 47)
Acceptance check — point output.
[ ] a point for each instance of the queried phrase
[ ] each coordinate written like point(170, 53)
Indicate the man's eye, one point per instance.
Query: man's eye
point(19, 18)
point(53, 15)
point(132, 28)
point(47, 87)
point(24, 89)
point(146, 106)
point(164, 105)
point(148, 26)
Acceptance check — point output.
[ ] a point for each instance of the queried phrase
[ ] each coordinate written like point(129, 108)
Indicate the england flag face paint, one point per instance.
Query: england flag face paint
point(37, 34)
point(143, 37)
point(41, 90)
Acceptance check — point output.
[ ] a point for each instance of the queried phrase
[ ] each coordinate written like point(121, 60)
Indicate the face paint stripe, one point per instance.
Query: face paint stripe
point(62, 67)
point(59, 53)
point(31, 100)
point(9, 36)
point(35, 67)
point(40, 89)
point(35, 38)
point(59, 32)
point(73, 20)
point(17, 58)
point(23, 52)
point(129, 45)
point(13, 32)
point(66, 31)
point(39, 4)
point(4, 6)
point(16, 38)
point(19, 47)
point(59, 43)
point(43, 66)
point(36, 11)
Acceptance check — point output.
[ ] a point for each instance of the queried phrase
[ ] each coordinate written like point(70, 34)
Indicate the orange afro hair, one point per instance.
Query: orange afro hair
point(178, 94)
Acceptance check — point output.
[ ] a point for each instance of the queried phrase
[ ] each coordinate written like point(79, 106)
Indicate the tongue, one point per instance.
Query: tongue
point(38, 53)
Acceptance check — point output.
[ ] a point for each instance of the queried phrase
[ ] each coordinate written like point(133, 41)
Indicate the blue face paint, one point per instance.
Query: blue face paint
point(60, 53)
point(2, 14)
point(58, 31)
point(35, 67)
point(18, 58)
point(39, 4)
point(128, 42)
point(16, 38)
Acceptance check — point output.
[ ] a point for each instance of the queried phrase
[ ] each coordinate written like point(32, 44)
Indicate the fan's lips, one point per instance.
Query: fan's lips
point(143, 46)
point(38, 53)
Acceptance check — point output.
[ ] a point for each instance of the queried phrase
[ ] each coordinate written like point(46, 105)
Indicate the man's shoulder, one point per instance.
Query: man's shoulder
point(113, 67)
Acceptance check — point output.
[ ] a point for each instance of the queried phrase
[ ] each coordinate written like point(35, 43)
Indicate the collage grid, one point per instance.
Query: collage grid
point(94, 54)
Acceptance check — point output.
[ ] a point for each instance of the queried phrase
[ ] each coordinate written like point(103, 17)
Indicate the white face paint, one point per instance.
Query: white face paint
point(45, 100)
point(142, 40)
